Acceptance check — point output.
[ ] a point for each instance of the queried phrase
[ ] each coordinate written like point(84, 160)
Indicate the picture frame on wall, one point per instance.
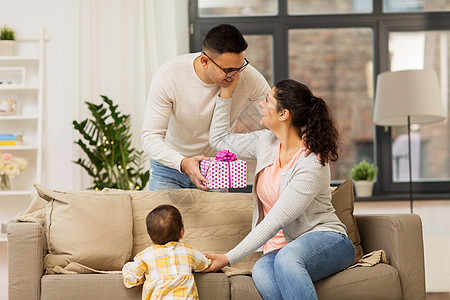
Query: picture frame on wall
point(12, 76)
point(8, 106)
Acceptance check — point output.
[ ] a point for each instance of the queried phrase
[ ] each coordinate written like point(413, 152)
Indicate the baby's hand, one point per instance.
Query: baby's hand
point(218, 261)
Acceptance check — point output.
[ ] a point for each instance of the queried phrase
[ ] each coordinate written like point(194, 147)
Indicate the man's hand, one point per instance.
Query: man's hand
point(218, 261)
point(227, 92)
point(306, 150)
point(191, 166)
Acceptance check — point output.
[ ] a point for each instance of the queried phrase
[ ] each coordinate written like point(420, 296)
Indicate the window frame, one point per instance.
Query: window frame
point(381, 24)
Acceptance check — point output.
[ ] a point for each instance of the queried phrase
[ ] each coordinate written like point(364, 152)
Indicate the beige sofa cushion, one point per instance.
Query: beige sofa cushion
point(343, 202)
point(214, 286)
point(381, 281)
point(214, 222)
point(88, 228)
point(35, 211)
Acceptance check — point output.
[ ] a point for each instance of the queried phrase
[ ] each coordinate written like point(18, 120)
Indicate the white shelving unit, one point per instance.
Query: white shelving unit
point(18, 88)
point(29, 98)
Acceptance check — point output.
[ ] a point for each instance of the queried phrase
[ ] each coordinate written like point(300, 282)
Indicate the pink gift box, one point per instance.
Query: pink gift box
point(224, 174)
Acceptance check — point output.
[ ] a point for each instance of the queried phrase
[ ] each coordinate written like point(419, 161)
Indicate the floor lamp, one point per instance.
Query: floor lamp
point(405, 98)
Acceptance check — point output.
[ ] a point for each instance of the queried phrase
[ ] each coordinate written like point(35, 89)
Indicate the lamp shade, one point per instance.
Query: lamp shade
point(413, 93)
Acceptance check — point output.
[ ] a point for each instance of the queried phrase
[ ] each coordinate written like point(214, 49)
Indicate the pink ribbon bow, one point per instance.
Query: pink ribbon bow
point(225, 155)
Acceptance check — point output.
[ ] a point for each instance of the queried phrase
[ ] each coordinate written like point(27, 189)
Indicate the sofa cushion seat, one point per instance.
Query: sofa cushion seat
point(100, 286)
point(379, 282)
point(110, 286)
point(243, 287)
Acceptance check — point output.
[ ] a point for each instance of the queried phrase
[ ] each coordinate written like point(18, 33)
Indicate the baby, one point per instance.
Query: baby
point(167, 265)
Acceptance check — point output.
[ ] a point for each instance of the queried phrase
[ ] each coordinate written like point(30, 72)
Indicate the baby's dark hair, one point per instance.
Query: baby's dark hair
point(224, 38)
point(164, 224)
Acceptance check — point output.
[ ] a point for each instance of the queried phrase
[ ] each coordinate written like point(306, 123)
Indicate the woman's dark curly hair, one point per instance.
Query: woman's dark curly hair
point(311, 116)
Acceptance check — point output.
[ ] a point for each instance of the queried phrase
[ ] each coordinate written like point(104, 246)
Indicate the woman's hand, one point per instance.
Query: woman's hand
point(218, 261)
point(227, 91)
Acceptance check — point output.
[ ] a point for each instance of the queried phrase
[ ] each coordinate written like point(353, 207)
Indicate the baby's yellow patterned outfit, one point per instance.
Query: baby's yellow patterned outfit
point(167, 271)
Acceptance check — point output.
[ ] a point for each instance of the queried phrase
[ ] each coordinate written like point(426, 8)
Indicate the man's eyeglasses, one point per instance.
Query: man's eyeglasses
point(229, 72)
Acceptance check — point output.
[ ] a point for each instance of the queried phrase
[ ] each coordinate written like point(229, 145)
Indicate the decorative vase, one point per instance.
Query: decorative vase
point(7, 47)
point(5, 184)
point(363, 188)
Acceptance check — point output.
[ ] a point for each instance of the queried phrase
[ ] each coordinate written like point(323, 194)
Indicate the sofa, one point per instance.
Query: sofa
point(72, 244)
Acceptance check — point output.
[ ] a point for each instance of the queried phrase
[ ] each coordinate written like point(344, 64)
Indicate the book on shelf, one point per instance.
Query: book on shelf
point(11, 139)
point(8, 143)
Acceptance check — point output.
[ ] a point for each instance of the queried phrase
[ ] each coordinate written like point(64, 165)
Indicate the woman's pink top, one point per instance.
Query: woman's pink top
point(268, 188)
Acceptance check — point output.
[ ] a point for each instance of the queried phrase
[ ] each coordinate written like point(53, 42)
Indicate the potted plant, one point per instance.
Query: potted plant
point(363, 174)
point(106, 140)
point(6, 41)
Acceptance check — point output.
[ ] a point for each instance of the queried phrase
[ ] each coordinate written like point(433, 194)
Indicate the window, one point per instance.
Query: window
point(415, 5)
point(311, 7)
point(337, 48)
point(336, 64)
point(430, 142)
point(211, 8)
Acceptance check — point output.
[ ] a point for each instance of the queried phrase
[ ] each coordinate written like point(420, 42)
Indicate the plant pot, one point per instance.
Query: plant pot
point(363, 188)
point(7, 47)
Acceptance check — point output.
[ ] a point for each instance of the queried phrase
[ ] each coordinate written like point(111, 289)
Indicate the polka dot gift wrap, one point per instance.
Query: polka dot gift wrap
point(224, 174)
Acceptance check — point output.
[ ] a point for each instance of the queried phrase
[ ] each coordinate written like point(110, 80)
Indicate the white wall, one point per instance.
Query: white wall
point(58, 18)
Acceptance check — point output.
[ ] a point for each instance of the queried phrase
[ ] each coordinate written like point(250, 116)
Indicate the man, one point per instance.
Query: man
point(181, 102)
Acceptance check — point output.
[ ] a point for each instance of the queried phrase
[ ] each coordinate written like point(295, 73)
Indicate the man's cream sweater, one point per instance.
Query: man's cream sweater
point(180, 107)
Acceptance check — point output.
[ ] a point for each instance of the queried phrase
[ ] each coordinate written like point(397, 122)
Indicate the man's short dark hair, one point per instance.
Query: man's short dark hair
point(164, 224)
point(224, 38)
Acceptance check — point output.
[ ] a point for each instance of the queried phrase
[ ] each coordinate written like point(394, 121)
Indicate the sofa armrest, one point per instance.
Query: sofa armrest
point(400, 236)
point(26, 244)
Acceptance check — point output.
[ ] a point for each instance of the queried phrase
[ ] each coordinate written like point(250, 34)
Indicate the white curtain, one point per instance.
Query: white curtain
point(120, 45)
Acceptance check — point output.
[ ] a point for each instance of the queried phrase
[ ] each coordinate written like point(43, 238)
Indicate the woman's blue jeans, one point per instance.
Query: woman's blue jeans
point(289, 273)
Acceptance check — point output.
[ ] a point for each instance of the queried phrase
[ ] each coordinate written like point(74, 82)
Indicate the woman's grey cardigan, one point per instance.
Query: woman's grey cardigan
point(304, 203)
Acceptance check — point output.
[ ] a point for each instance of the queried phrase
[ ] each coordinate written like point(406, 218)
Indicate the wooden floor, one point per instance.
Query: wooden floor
point(438, 296)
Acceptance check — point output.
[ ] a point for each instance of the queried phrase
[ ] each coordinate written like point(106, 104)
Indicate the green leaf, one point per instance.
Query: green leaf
point(106, 142)
point(364, 171)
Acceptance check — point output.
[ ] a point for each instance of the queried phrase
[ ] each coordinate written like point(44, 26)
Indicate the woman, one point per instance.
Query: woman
point(293, 217)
